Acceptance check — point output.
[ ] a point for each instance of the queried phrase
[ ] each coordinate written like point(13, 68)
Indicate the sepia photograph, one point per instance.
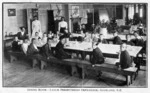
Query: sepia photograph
point(74, 45)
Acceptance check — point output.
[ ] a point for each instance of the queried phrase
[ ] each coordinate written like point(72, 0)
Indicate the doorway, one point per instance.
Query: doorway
point(51, 22)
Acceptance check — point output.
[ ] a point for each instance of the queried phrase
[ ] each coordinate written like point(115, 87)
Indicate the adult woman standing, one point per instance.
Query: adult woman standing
point(36, 27)
point(62, 26)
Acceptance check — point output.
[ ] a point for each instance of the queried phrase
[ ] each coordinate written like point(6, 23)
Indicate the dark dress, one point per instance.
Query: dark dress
point(60, 52)
point(62, 30)
point(117, 40)
point(21, 37)
point(98, 57)
point(125, 60)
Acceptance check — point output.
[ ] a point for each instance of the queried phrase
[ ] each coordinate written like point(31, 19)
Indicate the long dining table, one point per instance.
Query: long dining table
point(110, 37)
point(108, 49)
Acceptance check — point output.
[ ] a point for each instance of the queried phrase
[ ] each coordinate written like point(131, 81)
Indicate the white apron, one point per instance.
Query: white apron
point(36, 27)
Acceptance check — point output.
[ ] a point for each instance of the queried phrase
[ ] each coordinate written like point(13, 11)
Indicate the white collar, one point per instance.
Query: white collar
point(35, 46)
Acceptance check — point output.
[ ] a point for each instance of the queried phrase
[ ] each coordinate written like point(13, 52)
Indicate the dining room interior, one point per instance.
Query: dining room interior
point(97, 45)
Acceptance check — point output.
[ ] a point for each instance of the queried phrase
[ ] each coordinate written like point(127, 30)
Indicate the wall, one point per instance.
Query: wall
point(83, 8)
point(12, 23)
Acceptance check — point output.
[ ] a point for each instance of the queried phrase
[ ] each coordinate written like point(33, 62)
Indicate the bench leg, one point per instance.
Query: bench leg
point(12, 58)
point(128, 80)
point(135, 75)
point(34, 62)
point(131, 78)
point(83, 73)
point(43, 64)
point(73, 70)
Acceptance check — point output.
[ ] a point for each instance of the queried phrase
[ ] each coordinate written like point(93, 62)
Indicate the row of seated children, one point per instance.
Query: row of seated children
point(125, 61)
point(140, 28)
point(117, 39)
point(22, 36)
point(88, 37)
point(137, 41)
point(97, 57)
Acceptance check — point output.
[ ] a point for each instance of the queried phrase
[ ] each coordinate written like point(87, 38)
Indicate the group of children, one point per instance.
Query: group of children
point(41, 47)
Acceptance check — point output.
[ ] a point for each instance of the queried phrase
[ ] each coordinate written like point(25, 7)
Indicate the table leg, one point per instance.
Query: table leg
point(73, 70)
point(12, 58)
point(34, 62)
point(83, 73)
point(43, 64)
point(128, 80)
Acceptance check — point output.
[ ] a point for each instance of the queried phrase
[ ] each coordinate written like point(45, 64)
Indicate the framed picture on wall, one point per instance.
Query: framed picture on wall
point(11, 12)
point(75, 11)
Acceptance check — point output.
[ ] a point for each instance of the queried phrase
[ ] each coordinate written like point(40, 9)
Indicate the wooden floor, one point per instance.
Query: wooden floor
point(20, 74)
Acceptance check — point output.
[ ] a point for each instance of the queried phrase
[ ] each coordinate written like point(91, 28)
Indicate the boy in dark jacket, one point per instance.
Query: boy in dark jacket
point(60, 52)
point(102, 39)
point(46, 49)
point(129, 41)
point(138, 39)
point(117, 40)
point(15, 45)
point(125, 59)
point(97, 58)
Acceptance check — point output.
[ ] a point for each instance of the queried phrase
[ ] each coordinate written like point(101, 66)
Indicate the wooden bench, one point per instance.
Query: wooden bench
point(13, 56)
point(84, 65)
point(108, 66)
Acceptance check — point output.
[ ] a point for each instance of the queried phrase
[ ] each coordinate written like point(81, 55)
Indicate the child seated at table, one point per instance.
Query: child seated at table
point(87, 37)
point(102, 39)
point(81, 38)
point(95, 40)
point(50, 35)
point(129, 41)
point(16, 45)
point(44, 39)
point(39, 42)
point(117, 40)
point(141, 29)
point(138, 41)
point(34, 51)
point(97, 58)
point(60, 52)
point(25, 46)
point(46, 50)
point(83, 28)
point(36, 35)
point(125, 59)
point(82, 33)
point(57, 35)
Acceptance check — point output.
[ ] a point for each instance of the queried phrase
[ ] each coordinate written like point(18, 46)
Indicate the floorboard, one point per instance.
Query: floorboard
point(20, 74)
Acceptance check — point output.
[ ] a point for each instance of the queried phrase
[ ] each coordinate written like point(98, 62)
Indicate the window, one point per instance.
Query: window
point(131, 11)
point(141, 12)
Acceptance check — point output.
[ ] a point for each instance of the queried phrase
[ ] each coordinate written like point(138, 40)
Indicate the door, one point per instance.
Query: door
point(31, 13)
point(51, 23)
